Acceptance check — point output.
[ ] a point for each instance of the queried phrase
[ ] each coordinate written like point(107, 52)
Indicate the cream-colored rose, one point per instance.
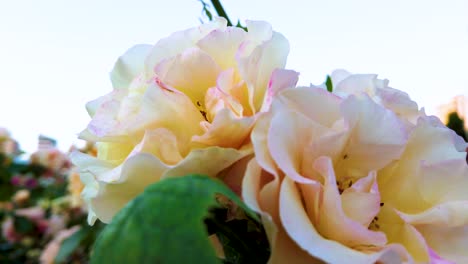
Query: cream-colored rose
point(344, 179)
point(185, 105)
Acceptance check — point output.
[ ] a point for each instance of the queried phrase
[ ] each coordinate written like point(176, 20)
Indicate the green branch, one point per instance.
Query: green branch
point(220, 10)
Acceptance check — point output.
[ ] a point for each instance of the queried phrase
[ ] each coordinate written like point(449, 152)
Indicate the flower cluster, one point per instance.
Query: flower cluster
point(39, 207)
point(356, 175)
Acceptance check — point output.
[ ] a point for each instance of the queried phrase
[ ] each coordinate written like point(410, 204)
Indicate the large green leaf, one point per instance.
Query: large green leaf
point(165, 224)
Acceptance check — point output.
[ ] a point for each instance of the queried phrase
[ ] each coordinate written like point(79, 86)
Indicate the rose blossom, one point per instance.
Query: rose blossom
point(185, 105)
point(347, 178)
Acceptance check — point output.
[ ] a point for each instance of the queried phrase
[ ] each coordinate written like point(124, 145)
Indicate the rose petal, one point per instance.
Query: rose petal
point(279, 81)
point(301, 230)
point(288, 134)
point(306, 100)
point(449, 242)
point(333, 223)
point(400, 232)
point(370, 146)
point(178, 42)
point(361, 202)
point(257, 67)
point(226, 130)
point(208, 161)
point(184, 72)
point(222, 45)
point(137, 173)
point(259, 138)
point(129, 66)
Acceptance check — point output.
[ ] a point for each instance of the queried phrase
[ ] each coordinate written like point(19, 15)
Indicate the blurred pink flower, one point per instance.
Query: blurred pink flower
point(52, 248)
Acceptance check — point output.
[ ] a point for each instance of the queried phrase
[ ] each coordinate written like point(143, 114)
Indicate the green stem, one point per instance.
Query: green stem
point(220, 10)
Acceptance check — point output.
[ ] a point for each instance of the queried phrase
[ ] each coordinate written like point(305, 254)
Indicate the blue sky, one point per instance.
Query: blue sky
point(55, 55)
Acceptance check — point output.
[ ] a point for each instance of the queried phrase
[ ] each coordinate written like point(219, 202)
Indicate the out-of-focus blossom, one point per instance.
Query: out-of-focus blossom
point(52, 248)
point(8, 145)
point(52, 159)
point(75, 187)
point(21, 196)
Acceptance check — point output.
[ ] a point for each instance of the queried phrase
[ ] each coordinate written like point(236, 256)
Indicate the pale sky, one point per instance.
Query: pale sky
point(55, 55)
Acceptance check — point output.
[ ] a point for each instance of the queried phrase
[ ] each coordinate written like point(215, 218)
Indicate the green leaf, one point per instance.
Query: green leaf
point(329, 84)
point(165, 224)
point(70, 244)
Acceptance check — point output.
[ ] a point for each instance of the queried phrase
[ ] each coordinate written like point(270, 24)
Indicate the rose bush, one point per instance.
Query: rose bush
point(185, 105)
point(360, 175)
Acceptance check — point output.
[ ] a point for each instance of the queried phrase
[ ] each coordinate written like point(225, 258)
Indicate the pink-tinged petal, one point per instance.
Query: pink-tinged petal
point(333, 223)
point(129, 66)
point(306, 100)
point(448, 214)
point(260, 191)
point(426, 143)
point(90, 164)
point(214, 102)
point(279, 81)
point(443, 181)
point(448, 242)
point(162, 143)
point(208, 161)
point(136, 174)
point(339, 75)
point(370, 146)
point(256, 67)
point(259, 137)
point(227, 93)
point(312, 197)
point(330, 144)
point(282, 247)
point(161, 107)
point(222, 45)
point(227, 130)
point(105, 119)
point(269, 196)
point(460, 144)
point(192, 72)
point(251, 185)
point(436, 259)
point(299, 228)
point(361, 202)
point(285, 250)
point(400, 232)
point(288, 134)
point(94, 105)
point(259, 30)
point(178, 42)
point(356, 84)
point(399, 102)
